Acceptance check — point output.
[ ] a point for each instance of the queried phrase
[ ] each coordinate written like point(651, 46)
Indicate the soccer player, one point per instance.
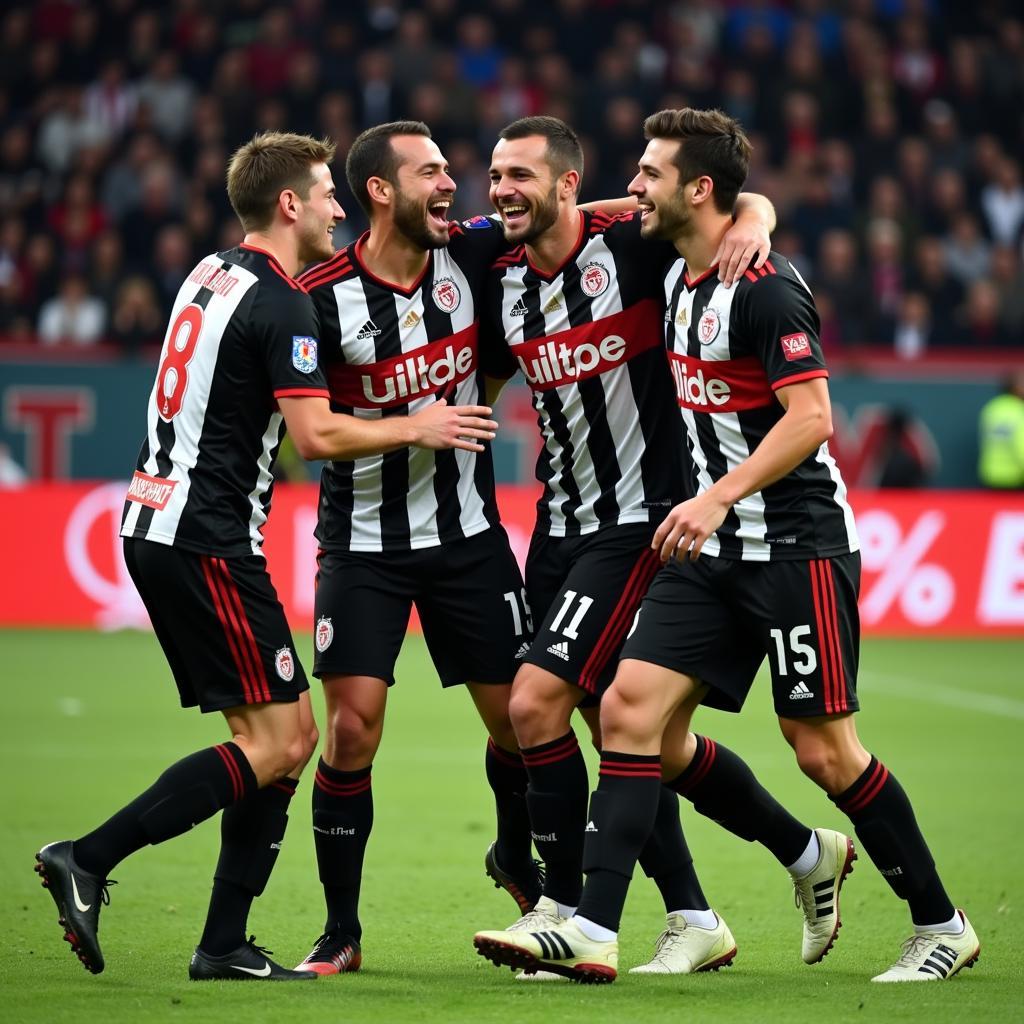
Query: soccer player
point(577, 304)
point(762, 561)
point(240, 360)
point(400, 331)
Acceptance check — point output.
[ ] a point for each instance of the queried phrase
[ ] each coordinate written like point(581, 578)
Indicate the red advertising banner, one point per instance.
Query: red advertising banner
point(942, 562)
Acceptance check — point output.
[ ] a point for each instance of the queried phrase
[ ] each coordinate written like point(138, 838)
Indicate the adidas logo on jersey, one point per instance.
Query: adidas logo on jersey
point(524, 650)
point(800, 692)
point(412, 319)
point(683, 319)
point(368, 330)
point(591, 827)
point(560, 650)
point(519, 309)
point(553, 303)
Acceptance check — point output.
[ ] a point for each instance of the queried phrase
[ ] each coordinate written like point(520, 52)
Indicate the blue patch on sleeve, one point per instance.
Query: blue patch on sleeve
point(475, 223)
point(304, 353)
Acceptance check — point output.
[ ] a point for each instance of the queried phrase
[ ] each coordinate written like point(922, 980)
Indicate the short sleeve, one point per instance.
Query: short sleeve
point(289, 329)
point(781, 323)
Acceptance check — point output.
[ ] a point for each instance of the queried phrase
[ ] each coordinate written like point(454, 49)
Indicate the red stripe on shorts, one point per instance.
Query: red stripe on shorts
point(246, 639)
point(241, 666)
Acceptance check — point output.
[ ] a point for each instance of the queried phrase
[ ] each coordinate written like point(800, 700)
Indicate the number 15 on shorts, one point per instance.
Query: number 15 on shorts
point(792, 652)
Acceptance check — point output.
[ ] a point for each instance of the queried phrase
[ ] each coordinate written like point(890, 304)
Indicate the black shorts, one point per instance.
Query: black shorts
point(220, 624)
point(469, 595)
point(585, 592)
point(715, 619)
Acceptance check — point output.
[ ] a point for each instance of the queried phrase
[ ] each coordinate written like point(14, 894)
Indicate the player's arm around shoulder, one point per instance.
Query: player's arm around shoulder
point(319, 433)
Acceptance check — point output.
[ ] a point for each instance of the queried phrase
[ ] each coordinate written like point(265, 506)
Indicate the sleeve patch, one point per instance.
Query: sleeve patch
point(476, 223)
point(795, 346)
point(304, 353)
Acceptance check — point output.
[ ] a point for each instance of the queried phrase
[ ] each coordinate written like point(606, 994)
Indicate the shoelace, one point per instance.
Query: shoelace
point(259, 949)
point(662, 945)
point(535, 919)
point(803, 897)
point(105, 891)
point(913, 950)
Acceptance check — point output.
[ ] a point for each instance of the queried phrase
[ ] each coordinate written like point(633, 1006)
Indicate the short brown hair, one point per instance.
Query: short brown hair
point(373, 156)
point(564, 152)
point(265, 166)
point(711, 143)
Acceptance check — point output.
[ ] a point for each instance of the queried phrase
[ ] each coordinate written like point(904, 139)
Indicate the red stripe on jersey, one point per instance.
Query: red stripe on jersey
point(837, 647)
point(235, 773)
point(703, 277)
point(621, 618)
point(247, 638)
point(750, 275)
point(241, 665)
point(320, 268)
point(274, 265)
point(329, 272)
point(302, 393)
point(720, 385)
point(397, 381)
point(590, 349)
point(797, 377)
point(768, 266)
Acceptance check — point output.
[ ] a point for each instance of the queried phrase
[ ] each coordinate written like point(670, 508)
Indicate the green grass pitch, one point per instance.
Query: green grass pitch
point(91, 719)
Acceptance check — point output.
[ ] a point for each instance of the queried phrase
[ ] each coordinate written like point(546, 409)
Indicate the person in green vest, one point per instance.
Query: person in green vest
point(1001, 437)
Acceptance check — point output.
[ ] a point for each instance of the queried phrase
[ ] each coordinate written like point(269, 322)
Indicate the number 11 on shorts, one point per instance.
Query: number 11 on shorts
point(571, 629)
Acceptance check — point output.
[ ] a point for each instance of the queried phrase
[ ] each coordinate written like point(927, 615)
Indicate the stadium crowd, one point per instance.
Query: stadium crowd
point(890, 136)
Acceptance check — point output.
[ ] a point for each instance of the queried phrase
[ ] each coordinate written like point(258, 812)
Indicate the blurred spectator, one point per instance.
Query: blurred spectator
point(1008, 277)
point(413, 52)
point(1002, 202)
point(168, 96)
point(979, 323)
point(110, 102)
point(930, 275)
point(1001, 437)
point(885, 273)
point(479, 55)
point(913, 328)
point(73, 317)
point(840, 276)
point(106, 267)
point(270, 55)
point(136, 318)
point(968, 255)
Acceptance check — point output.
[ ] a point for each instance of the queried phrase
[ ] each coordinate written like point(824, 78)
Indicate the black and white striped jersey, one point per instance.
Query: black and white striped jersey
point(588, 340)
point(389, 351)
point(730, 349)
point(242, 334)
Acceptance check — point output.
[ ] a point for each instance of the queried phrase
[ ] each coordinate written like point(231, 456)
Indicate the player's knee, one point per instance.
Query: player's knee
point(535, 719)
point(818, 759)
point(351, 736)
point(625, 717)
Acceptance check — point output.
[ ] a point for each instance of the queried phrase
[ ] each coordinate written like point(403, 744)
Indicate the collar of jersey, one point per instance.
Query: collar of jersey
point(696, 281)
point(390, 285)
point(573, 253)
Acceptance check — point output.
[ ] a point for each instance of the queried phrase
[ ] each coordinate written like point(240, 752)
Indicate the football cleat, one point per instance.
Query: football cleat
point(817, 893)
point(333, 953)
point(934, 955)
point(562, 949)
point(78, 895)
point(684, 948)
point(247, 963)
point(525, 889)
point(540, 976)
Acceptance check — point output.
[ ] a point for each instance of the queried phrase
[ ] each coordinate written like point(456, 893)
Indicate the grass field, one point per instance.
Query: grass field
point(91, 719)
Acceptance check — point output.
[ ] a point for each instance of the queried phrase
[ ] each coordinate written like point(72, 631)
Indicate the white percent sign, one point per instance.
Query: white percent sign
point(925, 591)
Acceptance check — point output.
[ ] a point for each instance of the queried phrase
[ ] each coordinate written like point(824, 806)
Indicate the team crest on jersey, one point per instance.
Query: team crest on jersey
point(324, 636)
point(284, 664)
point(476, 223)
point(304, 353)
point(708, 326)
point(447, 295)
point(594, 279)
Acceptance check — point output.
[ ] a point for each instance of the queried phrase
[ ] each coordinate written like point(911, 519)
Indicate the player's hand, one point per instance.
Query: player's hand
point(683, 531)
point(453, 426)
point(747, 243)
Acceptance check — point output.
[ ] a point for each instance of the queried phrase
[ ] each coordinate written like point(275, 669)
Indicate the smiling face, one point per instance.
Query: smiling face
point(658, 191)
point(320, 212)
point(524, 189)
point(424, 191)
